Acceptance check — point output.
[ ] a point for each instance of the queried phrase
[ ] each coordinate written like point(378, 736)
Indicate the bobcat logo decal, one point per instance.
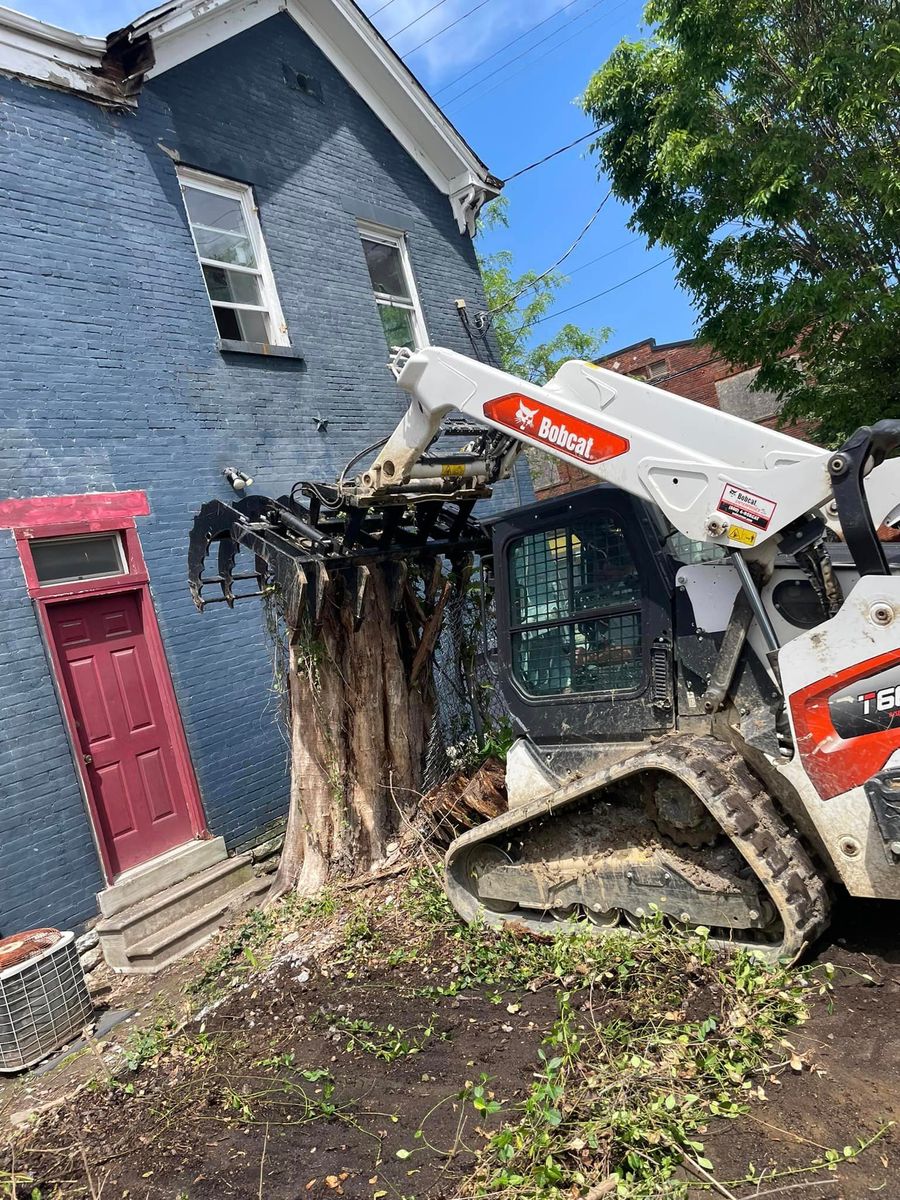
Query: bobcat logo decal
point(525, 416)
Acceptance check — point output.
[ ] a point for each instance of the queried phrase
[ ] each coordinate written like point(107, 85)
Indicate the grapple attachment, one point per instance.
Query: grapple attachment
point(297, 545)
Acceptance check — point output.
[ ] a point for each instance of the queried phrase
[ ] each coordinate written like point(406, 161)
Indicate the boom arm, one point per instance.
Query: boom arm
point(716, 477)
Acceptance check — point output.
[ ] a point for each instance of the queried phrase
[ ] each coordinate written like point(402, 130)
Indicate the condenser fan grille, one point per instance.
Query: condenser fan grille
point(44, 1003)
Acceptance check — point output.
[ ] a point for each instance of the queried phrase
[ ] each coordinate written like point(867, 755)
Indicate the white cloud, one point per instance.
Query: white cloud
point(474, 38)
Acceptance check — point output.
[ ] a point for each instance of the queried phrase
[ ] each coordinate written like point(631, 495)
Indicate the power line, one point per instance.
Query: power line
point(606, 254)
point(416, 20)
point(534, 282)
point(381, 10)
point(440, 32)
point(552, 50)
point(581, 303)
point(527, 51)
point(554, 154)
point(459, 78)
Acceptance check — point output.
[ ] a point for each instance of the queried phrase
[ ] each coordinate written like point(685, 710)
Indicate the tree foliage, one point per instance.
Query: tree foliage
point(516, 303)
point(760, 141)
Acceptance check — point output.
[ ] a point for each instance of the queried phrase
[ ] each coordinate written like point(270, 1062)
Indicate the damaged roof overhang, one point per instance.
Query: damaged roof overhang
point(113, 71)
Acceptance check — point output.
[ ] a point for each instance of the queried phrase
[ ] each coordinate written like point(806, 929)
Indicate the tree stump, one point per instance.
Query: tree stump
point(361, 705)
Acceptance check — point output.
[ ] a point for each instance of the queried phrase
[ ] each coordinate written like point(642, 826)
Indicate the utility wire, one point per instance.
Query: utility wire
point(483, 322)
point(459, 78)
point(606, 291)
point(554, 154)
point(416, 20)
point(600, 257)
point(526, 65)
point(440, 32)
point(382, 9)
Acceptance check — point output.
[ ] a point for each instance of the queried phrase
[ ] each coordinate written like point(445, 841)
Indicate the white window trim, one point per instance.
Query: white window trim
point(243, 193)
point(82, 537)
point(397, 239)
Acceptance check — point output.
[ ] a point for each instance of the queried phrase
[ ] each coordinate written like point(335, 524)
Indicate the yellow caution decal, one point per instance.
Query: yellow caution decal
point(452, 470)
point(746, 536)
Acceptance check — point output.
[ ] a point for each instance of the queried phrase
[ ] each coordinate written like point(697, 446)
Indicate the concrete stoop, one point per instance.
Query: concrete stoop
point(172, 905)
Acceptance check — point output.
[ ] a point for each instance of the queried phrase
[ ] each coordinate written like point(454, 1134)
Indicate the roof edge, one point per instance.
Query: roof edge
point(113, 70)
point(42, 53)
point(650, 342)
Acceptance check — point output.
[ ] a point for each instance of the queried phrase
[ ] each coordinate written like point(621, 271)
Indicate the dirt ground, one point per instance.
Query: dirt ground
point(850, 1087)
point(320, 1073)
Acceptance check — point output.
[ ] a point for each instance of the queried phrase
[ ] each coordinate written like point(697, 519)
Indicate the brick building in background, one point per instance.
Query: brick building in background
point(688, 368)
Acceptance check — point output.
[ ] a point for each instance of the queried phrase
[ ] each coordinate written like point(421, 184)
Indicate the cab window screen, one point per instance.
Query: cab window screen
point(576, 610)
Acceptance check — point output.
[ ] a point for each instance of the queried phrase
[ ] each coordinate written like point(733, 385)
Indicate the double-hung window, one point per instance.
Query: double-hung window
point(227, 234)
point(387, 258)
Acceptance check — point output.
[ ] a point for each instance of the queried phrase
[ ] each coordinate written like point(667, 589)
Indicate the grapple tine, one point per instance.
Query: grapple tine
point(213, 521)
point(363, 575)
point(228, 551)
point(322, 581)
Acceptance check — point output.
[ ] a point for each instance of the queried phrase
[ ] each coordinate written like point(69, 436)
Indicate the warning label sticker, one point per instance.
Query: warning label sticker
point(746, 506)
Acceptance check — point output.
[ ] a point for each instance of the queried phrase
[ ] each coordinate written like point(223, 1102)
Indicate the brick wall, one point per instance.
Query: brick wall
point(110, 380)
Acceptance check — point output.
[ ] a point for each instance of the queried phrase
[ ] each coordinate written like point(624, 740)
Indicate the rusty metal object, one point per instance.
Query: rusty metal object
point(22, 946)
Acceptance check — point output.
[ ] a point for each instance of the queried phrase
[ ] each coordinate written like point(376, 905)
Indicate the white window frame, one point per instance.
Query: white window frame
point(82, 537)
point(396, 239)
point(243, 193)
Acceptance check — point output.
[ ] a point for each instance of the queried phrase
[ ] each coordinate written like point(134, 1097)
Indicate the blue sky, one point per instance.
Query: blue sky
point(524, 104)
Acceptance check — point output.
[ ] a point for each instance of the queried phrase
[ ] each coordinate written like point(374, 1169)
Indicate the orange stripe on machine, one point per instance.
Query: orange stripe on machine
point(542, 423)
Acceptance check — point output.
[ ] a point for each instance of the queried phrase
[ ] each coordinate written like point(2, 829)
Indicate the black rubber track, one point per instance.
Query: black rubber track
point(720, 779)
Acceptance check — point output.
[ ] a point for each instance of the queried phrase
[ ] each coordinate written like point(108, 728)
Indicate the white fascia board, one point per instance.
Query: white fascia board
point(179, 32)
point(31, 49)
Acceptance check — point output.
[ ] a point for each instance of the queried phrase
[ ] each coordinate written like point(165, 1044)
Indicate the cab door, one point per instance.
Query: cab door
point(584, 625)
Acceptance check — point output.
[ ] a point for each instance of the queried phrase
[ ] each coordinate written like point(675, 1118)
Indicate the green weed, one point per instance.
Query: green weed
point(386, 1044)
point(664, 1035)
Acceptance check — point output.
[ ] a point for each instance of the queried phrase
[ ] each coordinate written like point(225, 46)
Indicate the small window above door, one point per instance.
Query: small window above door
point(70, 559)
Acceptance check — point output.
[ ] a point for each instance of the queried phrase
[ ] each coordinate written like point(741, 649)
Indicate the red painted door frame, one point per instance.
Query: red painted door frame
point(101, 512)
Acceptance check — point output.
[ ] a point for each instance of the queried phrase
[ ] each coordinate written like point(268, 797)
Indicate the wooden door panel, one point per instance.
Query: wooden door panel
point(121, 727)
point(95, 717)
point(132, 689)
point(157, 791)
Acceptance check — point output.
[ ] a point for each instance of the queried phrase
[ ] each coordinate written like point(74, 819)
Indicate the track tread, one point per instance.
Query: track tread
point(738, 802)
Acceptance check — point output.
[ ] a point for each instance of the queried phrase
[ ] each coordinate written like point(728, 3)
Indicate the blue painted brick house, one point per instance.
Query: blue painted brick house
point(283, 146)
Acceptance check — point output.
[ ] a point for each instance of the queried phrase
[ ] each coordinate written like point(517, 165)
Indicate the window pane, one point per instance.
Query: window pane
point(254, 326)
point(227, 324)
point(225, 247)
point(601, 655)
point(398, 326)
point(216, 212)
point(233, 286)
point(241, 325)
point(560, 572)
point(57, 560)
point(386, 269)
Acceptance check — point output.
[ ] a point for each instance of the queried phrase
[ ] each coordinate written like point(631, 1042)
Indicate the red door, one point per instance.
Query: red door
point(121, 727)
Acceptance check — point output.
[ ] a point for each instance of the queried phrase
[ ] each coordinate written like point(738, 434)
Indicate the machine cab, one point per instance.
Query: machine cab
point(584, 625)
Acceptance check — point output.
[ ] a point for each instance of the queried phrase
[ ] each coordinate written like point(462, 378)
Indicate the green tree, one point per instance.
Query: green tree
point(760, 141)
point(517, 302)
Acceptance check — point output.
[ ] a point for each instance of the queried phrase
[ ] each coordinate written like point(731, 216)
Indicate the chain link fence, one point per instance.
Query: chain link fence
point(470, 714)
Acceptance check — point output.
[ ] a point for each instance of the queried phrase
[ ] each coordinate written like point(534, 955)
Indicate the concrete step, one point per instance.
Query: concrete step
point(150, 878)
point(182, 937)
point(119, 932)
